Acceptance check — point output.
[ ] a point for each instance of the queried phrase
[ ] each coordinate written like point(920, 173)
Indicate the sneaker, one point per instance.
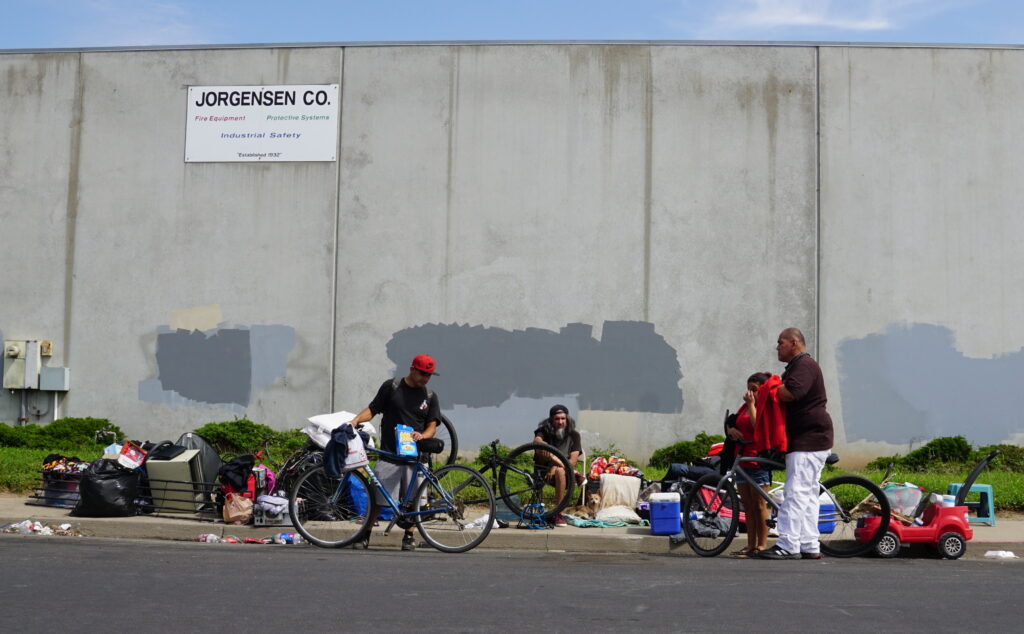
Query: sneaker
point(804, 555)
point(409, 542)
point(775, 552)
point(560, 521)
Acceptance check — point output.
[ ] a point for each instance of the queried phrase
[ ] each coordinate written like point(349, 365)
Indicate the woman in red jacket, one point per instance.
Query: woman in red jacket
point(760, 422)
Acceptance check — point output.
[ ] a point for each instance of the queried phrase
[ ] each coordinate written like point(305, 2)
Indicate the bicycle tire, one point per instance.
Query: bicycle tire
point(522, 479)
point(710, 519)
point(855, 499)
point(457, 526)
point(324, 511)
point(445, 430)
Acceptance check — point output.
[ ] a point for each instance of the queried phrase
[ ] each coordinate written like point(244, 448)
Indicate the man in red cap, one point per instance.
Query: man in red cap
point(405, 401)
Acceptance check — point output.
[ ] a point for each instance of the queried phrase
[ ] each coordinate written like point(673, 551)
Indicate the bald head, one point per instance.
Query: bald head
point(791, 343)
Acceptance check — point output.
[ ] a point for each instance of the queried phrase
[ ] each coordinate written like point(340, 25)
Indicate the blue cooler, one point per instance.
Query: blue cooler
point(826, 518)
point(665, 514)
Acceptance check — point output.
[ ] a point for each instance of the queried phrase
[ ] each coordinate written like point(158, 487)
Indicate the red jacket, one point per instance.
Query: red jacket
point(770, 427)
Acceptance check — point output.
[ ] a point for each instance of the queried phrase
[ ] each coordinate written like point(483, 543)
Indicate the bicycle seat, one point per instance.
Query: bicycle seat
point(832, 458)
point(430, 445)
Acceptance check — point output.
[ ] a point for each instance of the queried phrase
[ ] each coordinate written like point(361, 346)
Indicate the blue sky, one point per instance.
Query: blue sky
point(84, 23)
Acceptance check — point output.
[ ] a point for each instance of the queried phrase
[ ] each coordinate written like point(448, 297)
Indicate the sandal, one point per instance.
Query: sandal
point(745, 553)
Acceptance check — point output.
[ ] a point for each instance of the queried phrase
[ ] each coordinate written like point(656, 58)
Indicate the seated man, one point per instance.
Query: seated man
point(559, 431)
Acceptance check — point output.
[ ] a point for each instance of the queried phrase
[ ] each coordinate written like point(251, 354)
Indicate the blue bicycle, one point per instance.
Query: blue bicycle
point(452, 507)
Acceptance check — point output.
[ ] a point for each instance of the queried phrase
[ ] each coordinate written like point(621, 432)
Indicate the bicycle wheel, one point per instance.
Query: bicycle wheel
point(527, 476)
point(456, 526)
point(850, 500)
point(331, 512)
point(711, 516)
point(446, 431)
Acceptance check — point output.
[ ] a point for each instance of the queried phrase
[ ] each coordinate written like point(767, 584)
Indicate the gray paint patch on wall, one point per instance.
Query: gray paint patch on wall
point(217, 367)
point(911, 383)
point(270, 347)
point(213, 367)
point(632, 368)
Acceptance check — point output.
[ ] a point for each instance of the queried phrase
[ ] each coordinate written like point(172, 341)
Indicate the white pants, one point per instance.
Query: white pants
point(798, 515)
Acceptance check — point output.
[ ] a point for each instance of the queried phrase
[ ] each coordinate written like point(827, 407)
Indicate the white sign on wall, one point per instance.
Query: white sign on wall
point(261, 123)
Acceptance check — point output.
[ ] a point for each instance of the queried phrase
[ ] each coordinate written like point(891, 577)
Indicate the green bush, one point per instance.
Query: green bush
point(242, 436)
point(1011, 458)
point(944, 453)
point(952, 453)
point(686, 451)
point(236, 437)
point(64, 433)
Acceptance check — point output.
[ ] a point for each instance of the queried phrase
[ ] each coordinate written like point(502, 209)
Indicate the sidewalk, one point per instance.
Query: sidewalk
point(1008, 534)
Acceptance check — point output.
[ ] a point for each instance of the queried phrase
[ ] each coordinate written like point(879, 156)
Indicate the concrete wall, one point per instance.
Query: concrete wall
point(921, 218)
point(623, 229)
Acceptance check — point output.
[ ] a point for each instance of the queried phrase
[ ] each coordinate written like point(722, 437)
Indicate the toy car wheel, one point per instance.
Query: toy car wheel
point(952, 545)
point(889, 546)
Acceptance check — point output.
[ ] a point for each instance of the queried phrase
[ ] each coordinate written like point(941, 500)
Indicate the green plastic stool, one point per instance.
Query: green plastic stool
point(985, 512)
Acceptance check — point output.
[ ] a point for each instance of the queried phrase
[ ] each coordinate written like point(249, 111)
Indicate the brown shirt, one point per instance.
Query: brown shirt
point(808, 425)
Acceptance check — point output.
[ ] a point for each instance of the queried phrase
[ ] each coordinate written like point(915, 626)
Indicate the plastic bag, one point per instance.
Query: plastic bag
point(237, 509)
point(107, 489)
point(904, 498)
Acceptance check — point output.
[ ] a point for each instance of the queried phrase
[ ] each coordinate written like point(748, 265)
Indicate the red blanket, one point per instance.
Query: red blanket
point(770, 427)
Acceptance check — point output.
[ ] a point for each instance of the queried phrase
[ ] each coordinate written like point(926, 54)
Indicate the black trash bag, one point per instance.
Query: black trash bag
point(236, 472)
point(107, 489)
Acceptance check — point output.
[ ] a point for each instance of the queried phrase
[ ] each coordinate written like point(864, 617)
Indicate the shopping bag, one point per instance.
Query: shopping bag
point(356, 456)
point(237, 509)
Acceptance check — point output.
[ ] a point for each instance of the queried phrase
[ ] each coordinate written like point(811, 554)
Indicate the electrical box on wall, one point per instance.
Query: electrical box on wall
point(21, 365)
point(55, 379)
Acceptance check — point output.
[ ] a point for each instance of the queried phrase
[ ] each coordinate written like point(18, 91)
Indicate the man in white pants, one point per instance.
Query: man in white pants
point(810, 436)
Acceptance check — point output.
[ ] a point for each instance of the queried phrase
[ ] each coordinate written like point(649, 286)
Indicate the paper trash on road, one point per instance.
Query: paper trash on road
point(1000, 554)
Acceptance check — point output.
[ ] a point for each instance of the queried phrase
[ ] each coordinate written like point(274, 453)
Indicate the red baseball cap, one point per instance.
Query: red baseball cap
point(424, 363)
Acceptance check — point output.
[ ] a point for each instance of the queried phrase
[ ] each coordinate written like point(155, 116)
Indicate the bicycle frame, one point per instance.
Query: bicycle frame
point(403, 510)
point(493, 462)
point(737, 470)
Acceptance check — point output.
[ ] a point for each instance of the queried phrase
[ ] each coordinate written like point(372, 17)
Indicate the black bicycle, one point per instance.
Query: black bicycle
point(524, 477)
point(711, 510)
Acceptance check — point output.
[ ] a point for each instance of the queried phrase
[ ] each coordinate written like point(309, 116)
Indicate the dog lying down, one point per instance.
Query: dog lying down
point(587, 511)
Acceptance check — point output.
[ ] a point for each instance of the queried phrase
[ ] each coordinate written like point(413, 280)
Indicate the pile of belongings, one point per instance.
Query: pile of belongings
point(614, 465)
point(56, 463)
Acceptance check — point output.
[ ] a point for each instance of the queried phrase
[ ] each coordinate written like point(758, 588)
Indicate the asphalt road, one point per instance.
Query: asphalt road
point(69, 584)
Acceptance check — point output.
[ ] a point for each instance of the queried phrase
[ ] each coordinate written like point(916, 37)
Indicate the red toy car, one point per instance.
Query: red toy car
point(947, 527)
point(944, 526)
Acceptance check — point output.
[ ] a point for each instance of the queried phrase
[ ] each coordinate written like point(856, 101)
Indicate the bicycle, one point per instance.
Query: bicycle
point(337, 512)
point(711, 510)
point(520, 477)
point(311, 454)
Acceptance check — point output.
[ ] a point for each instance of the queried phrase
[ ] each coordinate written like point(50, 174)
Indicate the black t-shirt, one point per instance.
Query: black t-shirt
point(567, 445)
point(808, 425)
point(403, 406)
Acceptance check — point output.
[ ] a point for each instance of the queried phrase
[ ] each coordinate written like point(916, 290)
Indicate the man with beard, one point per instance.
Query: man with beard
point(559, 431)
